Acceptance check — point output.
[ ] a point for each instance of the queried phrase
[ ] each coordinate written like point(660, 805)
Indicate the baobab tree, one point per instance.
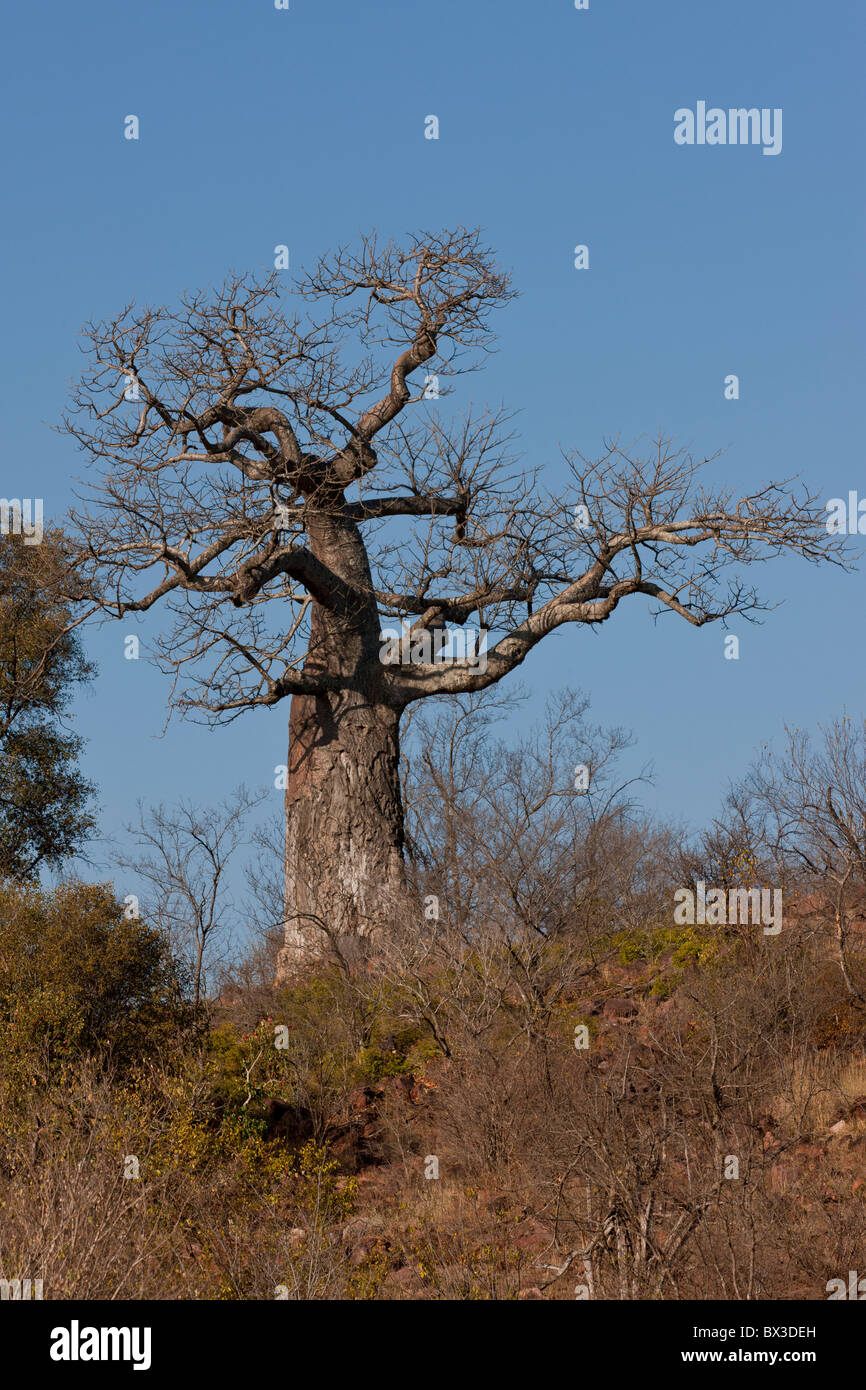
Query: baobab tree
point(286, 483)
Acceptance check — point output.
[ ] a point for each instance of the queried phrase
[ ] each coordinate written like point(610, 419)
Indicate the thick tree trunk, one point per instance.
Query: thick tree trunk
point(344, 870)
point(344, 824)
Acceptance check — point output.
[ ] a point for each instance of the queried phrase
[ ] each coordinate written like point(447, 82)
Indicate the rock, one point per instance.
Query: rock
point(364, 1098)
point(407, 1281)
point(420, 1090)
point(620, 1008)
point(353, 1229)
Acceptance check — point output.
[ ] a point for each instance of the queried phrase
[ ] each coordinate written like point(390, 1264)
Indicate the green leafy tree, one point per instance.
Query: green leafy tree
point(44, 816)
point(78, 976)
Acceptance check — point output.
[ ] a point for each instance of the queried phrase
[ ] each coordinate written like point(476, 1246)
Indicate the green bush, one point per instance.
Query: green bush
point(77, 977)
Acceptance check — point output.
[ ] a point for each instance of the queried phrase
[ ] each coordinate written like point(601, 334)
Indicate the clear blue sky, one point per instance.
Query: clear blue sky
point(306, 126)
